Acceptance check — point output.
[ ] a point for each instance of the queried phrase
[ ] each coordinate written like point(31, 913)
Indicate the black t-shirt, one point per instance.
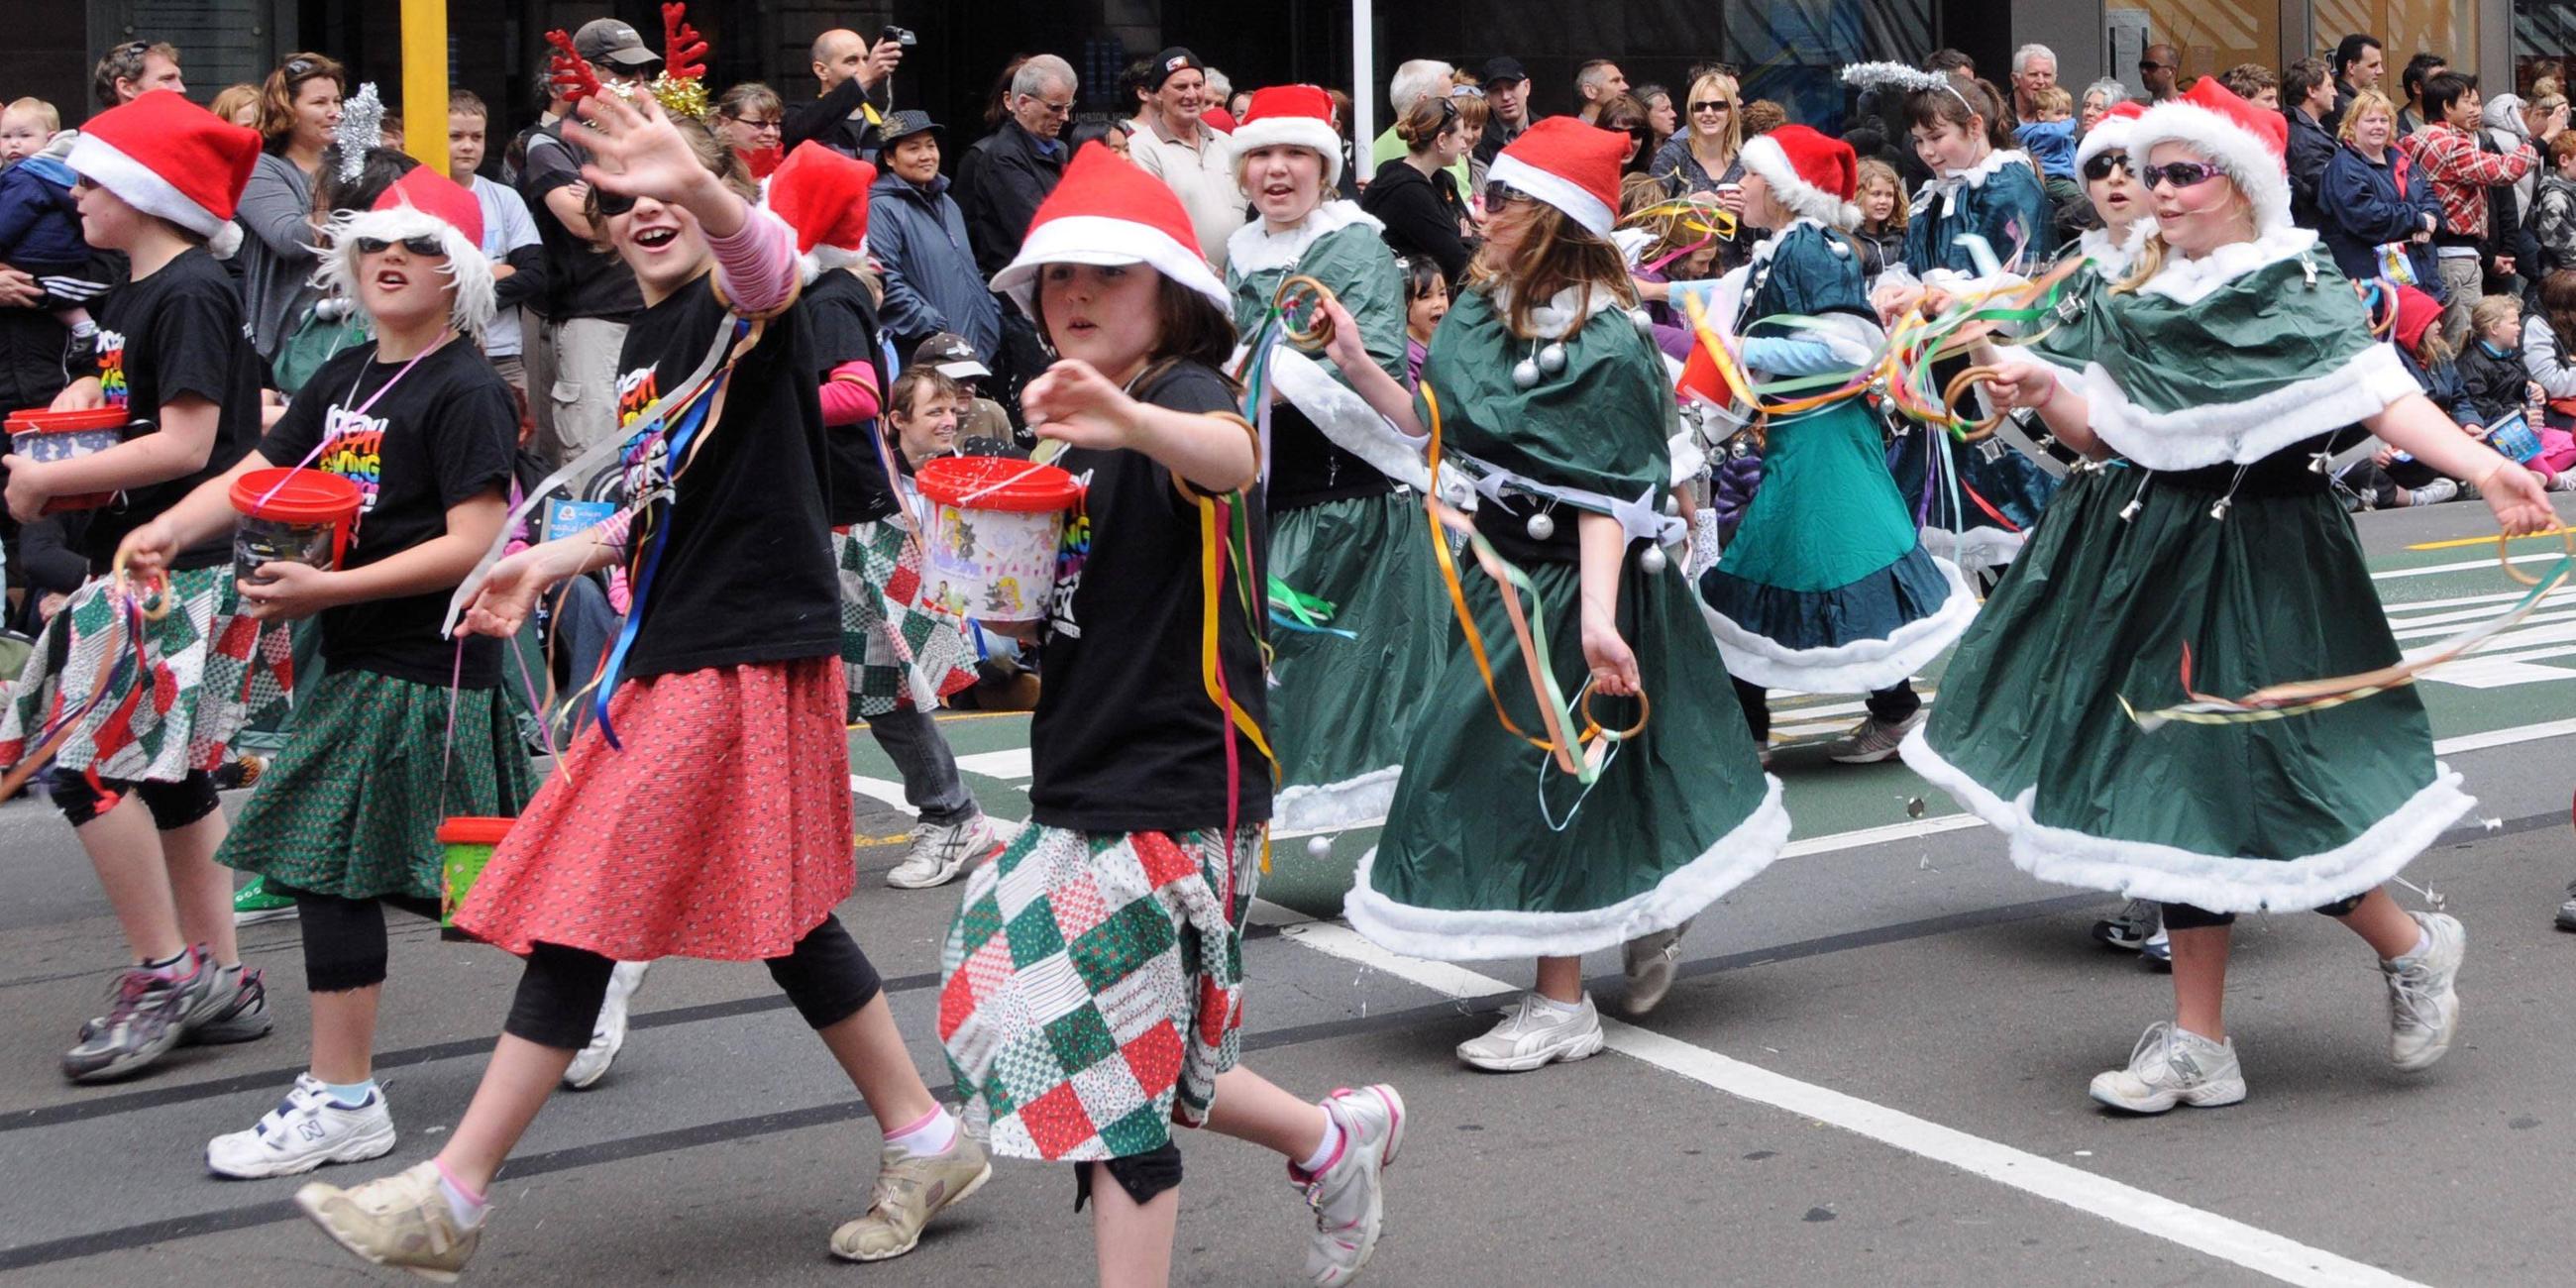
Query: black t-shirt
point(1126, 738)
point(747, 574)
point(582, 280)
point(844, 321)
point(429, 439)
point(164, 337)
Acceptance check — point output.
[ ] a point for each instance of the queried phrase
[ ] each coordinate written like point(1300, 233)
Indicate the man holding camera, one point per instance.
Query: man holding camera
point(854, 81)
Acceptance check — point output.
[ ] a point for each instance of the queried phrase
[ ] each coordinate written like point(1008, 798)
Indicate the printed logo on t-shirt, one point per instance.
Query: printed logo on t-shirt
point(1071, 552)
point(645, 467)
point(111, 365)
point(353, 447)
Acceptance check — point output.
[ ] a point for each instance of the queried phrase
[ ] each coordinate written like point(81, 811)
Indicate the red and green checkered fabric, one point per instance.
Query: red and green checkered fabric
point(1094, 988)
point(897, 650)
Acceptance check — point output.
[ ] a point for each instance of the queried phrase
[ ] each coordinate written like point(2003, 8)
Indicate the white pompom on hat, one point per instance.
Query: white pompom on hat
point(823, 195)
point(1108, 211)
point(1812, 174)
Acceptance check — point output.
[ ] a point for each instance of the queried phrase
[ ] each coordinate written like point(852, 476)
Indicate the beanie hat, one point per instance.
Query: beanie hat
point(1812, 174)
point(168, 157)
point(1298, 116)
point(2112, 134)
point(823, 195)
point(2416, 311)
point(422, 203)
point(1109, 211)
point(2246, 142)
point(1569, 165)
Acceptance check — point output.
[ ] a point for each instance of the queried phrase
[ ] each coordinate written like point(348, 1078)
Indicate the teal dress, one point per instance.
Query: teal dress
point(1343, 532)
point(2216, 381)
point(1826, 587)
point(1489, 850)
point(2002, 201)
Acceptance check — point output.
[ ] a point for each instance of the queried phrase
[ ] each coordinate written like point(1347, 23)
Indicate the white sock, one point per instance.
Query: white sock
point(468, 1209)
point(936, 1133)
point(1561, 1008)
point(1323, 1155)
point(2423, 944)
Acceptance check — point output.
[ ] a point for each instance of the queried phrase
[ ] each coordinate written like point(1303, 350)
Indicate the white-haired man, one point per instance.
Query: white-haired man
point(1413, 81)
point(2034, 68)
point(1004, 176)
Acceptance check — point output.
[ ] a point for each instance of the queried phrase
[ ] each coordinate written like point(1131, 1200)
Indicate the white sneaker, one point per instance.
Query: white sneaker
point(2433, 493)
point(2172, 1066)
point(1535, 1032)
point(1650, 961)
point(2131, 927)
point(1873, 739)
point(306, 1130)
point(608, 1036)
point(1349, 1195)
point(2423, 1007)
point(2563, 481)
point(941, 851)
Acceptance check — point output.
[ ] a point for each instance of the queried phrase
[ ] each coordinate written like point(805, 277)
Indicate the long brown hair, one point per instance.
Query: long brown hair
point(2558, 304)
point(1554, 253)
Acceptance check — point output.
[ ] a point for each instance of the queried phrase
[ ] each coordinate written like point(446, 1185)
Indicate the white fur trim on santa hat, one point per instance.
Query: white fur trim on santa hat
point(2227, 145)
point(1564, 194)
point(1289, 131)
point(2110, 134)
point(140, 186)
point(1105, 241)
point(813, 264)
point(1764, 156)
point(467, 267)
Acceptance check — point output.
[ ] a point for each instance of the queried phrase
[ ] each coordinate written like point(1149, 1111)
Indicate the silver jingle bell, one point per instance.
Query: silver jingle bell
point(1541, 527)
point(1552, 359)
point(1319, 847)
point(1653, 561)
point(1525, 374)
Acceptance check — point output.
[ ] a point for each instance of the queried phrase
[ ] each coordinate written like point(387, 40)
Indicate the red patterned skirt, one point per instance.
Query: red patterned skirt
point(722, 831)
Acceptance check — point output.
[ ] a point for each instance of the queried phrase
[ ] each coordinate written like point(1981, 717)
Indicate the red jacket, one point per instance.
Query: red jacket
point(2461, 173)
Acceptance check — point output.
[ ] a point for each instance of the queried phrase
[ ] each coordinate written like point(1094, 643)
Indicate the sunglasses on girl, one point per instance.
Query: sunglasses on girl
point(2180, 174)
point(611, 204)
point(424, 245)
point(2099, 166)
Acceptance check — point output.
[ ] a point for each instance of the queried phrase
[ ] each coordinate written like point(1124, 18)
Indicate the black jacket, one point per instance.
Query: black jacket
point(1421, 215)
point(2311, 149)
point(827, 120)
point(2492, 384)
point(35, 349)
point(1000, 182)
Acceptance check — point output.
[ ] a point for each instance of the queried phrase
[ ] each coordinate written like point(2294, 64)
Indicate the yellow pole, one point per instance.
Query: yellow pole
point(424, 82)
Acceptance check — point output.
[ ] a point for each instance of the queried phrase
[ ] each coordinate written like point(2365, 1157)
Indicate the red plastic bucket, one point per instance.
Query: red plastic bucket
point(994, 527)
point(292, 516)
point(41, 435)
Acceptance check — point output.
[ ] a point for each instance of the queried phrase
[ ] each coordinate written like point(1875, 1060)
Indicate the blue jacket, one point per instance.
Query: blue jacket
point(40, 227)
point(2363, 206)
point(919, 238)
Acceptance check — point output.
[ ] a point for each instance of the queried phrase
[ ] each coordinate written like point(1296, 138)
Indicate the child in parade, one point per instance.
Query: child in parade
point(2207, 384)
point(161, 177)
point(1550, 397)
point(1094, 976)
point(1426, 301)
point(717, 825)
point(346, 819)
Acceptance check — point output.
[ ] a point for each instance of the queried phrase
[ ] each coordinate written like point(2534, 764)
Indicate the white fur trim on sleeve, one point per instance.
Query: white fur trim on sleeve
point(2191, 438)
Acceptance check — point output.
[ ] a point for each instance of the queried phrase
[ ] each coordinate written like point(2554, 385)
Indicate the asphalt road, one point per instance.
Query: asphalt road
point(1872, 1071)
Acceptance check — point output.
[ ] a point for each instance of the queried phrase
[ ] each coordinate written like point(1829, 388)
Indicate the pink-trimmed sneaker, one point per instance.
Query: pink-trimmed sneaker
point(1349, 1195)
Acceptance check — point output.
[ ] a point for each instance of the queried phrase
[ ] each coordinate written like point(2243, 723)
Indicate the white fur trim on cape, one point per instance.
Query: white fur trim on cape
point(2170, 874)
point(1440, 934)
point(2189, 281)
point(1570, 197)
point(2111, 260)
point(140, 186)
point(1254, 248)
point(1562, 313)
point(1974, 549)
point(1350, 804)
point(2256, 169)
point(1346, 418)
point(1764, 156)
point(1862, 666)
point(1975, 176)
point(1310, 133)
point(2248, 431)
point(1104, 241)
point(467, 268)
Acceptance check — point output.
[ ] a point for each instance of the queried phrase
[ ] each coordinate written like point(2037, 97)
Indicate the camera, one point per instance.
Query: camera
point(900, 35)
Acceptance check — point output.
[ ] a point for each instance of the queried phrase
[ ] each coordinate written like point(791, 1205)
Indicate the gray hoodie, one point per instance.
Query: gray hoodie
point(2504, 123)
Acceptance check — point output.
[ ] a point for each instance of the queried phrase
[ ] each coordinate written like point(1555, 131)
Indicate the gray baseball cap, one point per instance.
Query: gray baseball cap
point(606, 40)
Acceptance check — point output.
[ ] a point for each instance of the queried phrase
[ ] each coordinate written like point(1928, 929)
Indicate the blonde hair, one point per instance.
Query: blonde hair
point(1872, 169)
point(40, 109)
point(2053, 99)
point(2492, 309)
point(2363, 104)
point(233, 98)
point(1734, 102)
point(2152, 253)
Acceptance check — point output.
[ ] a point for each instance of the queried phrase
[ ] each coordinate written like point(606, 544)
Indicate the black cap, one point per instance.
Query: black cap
point(1505, 68)
point(905, 124)
point(1171, 61)
point(606, 40)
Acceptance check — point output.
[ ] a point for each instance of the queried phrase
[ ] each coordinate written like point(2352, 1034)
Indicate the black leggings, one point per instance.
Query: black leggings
point(2183, 916)
point(1896, 702)
point(344, 939)
point(173, 805)
point(826, 977)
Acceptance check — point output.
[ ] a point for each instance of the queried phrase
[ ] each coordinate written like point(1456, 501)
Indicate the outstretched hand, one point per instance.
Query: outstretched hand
point(638, 151)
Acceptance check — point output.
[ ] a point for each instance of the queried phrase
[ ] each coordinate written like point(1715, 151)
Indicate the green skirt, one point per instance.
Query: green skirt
point(1491, 851)
point(1341, 709)
point(352, 805)
point(2284, 814)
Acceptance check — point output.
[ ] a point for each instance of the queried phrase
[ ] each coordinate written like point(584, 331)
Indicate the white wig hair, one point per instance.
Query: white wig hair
point(467, 269)
point(1041, 71)
point(2022, 56)
point(1413, 81)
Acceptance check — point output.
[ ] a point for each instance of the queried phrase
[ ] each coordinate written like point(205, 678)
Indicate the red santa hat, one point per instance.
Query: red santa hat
point(1298, 116)
point(1109, 211)
point(2250, 144)
point(1812, 174)
point(1569, 165)
point(2111, 134)
point(823, 195)
point(422, 203)
point(168, 157)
